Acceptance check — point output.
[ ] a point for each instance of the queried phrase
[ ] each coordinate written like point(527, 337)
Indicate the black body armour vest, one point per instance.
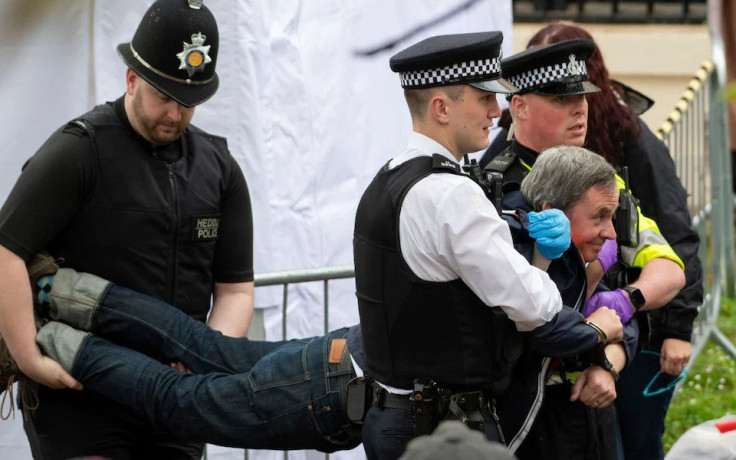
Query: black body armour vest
point(509, 163)
point(414, 328)
point(148, 224)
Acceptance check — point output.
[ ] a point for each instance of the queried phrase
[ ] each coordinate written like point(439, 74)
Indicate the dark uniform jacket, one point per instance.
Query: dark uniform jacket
point(167, 221)
point(566, 336)
point(664, 200)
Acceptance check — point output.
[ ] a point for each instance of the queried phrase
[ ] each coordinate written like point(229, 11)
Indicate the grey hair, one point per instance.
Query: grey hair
point(562, 174)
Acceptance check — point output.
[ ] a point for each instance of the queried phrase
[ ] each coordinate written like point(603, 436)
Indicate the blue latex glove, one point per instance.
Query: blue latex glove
point(551, 229)
point(615, 300)
point(608, 254)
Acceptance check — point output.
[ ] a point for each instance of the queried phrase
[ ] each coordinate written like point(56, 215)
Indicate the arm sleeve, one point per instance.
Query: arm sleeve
point(565, 336)
point(51, 188)
point(447, 223)
point(523, 243)
point(653, 178)
point(234, 257)
point(652, 244)
point(631, 339)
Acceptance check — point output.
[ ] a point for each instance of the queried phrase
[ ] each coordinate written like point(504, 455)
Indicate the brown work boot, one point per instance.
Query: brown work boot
point(42, 264)
point(9, 374)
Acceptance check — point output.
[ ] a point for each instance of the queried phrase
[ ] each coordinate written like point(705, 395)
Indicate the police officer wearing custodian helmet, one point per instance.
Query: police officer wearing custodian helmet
point(132, 192)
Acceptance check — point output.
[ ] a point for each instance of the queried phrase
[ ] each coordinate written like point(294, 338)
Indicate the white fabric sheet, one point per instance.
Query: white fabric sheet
point(309, 121)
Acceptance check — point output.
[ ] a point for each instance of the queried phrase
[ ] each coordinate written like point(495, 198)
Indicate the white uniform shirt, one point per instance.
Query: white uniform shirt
point(448, 229)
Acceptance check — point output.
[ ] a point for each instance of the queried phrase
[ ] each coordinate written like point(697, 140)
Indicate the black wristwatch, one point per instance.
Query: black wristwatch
point(637, 298)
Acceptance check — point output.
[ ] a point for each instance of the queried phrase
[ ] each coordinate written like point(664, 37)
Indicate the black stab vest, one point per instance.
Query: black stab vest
point(414, 328)
point(148, 224)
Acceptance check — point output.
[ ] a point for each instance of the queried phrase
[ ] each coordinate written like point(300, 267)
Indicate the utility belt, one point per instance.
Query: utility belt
point(430, 403)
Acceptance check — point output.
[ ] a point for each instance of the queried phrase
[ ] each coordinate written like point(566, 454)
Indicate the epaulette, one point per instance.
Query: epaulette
point(76, 127)
point(442, 163)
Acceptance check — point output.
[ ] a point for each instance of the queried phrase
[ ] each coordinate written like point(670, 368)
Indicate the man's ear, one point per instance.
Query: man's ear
point(546, 206)
point(438, 108)
point(518, 105)
point(131, 80)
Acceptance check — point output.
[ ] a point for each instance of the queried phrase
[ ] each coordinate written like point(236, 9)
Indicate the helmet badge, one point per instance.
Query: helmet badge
point(194, 56)
point(195, 4)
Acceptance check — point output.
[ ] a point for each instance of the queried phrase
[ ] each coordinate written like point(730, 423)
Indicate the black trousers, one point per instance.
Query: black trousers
point(69, 424)
point(386, 431)
point(570, 430)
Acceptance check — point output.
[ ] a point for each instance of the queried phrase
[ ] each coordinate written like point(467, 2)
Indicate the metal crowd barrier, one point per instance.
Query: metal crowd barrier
point(304, 276)
point(696, 133)
point(286, 279)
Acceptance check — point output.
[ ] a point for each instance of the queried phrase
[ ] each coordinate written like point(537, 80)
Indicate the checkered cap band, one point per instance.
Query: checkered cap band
point(455, 72)
point(543, 75)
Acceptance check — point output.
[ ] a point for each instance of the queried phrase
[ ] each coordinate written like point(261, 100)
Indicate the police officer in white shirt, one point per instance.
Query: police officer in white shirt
point(442, 292)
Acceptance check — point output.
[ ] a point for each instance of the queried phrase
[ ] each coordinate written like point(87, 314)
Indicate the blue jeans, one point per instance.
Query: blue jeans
point(243, 393)
point(640, 418)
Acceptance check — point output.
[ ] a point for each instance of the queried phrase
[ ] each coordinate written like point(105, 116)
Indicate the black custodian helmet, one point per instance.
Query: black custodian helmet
point(175, 50)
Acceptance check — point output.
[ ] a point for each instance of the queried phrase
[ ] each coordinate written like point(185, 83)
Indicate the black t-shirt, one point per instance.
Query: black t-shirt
point(62, 177)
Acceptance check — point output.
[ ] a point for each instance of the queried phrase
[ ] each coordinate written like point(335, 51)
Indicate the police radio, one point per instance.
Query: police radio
point(490, 181)
point(626, 219)
point(626, 223)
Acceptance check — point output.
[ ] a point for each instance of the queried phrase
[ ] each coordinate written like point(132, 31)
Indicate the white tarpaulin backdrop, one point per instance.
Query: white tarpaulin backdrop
point(308, 120)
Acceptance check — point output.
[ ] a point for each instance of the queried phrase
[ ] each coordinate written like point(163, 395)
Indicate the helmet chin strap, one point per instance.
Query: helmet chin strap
point(510, 135)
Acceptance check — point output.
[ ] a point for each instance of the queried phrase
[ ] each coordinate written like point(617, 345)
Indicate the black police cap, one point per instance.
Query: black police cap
point(175, 50)
point(472, 58)
point(555, 69)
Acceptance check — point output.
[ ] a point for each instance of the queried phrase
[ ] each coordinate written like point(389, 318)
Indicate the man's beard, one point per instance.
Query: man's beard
point(149, 126)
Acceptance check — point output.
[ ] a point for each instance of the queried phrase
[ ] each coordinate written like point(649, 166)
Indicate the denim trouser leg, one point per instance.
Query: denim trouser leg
point(289, 400)
point(641, 419)
point(157, 329)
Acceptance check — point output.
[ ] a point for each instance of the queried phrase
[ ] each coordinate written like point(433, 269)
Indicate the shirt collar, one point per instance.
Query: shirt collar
point(428, 145)
point(420, 145)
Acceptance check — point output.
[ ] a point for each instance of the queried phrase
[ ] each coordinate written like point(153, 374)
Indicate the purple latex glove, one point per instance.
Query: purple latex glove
point(608, 254)
point(616, 300)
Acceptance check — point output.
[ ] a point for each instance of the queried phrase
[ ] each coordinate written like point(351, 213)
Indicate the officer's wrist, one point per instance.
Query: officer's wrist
point(634, 296)
point(614, 373)
point(598, 357)
point(602, 336)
